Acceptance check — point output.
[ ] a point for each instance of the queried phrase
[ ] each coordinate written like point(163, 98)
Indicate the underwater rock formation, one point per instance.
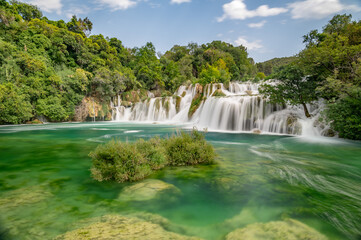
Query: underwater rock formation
point(23, 196)
point(122, 227)
point(149, 189)
point(278, 230)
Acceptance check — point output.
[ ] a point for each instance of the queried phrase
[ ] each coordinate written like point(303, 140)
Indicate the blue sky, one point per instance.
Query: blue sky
point(268, 28)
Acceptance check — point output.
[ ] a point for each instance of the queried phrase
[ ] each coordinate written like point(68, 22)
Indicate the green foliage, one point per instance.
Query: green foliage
point(261, 75)
point(120, 162)
point(332, 57)
point(52, 109)
point(80, 25)
point(269, 66)
point(57, 63)
point(14, 106)
point(292, 88)
point(189, 149)
point(346, 116)
point(153, 151)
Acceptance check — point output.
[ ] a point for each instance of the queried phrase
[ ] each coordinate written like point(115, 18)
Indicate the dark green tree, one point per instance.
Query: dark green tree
point(292, 88)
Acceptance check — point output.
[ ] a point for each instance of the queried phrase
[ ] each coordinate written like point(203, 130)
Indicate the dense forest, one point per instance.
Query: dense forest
point(49, 67)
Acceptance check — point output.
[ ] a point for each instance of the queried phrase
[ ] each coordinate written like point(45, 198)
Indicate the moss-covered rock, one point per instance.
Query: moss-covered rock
point(178, 103)
point(218, 93)
point(149, 189)
point(157, 103)
point(24, 196)
point(122, 227)
point(293, 126)
point(278, 230)
point(166, 106)
point(196, 102)
point(249, 92)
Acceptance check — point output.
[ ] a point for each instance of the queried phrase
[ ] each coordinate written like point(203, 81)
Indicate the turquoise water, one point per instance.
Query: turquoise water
point(46, 188)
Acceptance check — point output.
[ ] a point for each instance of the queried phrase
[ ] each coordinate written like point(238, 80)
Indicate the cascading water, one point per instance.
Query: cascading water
point(239, 107)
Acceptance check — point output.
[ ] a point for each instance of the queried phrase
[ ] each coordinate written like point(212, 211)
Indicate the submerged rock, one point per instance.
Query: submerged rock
point(23, 196)
point(148, 190)
point(278, 230)
point(121, 227)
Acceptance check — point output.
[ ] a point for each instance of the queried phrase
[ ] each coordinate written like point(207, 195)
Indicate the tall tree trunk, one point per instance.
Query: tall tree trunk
point(306, 110)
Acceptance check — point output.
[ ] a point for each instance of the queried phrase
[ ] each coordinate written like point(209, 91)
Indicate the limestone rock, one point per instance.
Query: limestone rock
point(278, 230)
point(148, 190)
point(121, 227)
point(256, 131)
point(218, 93)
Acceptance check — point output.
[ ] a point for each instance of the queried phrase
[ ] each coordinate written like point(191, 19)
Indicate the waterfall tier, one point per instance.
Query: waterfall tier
point(239, 107)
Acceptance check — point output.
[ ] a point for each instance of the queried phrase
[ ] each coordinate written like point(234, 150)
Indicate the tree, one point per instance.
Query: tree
point(80, 25)
point(14, 107)
point(345, 116)
point(27, 11)
point(292, 87)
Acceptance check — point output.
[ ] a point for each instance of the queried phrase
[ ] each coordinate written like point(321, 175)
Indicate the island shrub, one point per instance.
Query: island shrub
point(153, 151)
point(122, 161)
point(188, 149)
point(119, 161)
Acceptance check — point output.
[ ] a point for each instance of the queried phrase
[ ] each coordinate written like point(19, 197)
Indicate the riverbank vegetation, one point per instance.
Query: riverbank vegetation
point(122, 161)
point(329, 68)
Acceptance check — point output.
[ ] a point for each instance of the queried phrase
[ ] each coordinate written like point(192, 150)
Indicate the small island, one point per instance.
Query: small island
point(122, 161)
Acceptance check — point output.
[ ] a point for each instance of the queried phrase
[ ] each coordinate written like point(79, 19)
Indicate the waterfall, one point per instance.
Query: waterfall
point(237, 107)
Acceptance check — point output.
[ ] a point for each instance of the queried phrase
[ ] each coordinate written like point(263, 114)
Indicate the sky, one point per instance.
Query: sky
point(268, 28)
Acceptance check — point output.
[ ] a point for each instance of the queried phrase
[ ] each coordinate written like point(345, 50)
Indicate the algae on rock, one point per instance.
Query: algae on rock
point(121, 227)
point(24, 196)
point(289, 229)
point(218, 93)
point(149, 189)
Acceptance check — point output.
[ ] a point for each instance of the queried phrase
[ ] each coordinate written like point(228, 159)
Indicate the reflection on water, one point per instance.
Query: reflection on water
point(274, 185)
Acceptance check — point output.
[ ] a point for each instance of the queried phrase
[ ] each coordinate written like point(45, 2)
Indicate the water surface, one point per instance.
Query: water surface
point(46, 188)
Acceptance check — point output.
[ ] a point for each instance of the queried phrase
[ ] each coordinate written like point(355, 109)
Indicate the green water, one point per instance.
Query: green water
point(46, 188)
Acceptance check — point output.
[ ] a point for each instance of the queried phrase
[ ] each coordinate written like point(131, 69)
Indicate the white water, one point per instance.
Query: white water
point(242, 109)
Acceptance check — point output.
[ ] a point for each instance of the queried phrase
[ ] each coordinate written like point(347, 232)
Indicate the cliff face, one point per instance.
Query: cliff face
point(90, 109)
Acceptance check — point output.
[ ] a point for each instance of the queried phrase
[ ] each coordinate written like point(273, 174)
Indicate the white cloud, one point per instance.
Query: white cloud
point(237, 9)
point(249, 45)
point(76, 10)
point(318, 9)
point(257, 25)
point(118, 4)
point(179, 1)
point(48, 5)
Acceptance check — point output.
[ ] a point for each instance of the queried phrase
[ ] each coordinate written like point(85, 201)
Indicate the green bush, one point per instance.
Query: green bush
point(345, 116)
point(153, 151)
point(188, 149)
point(119, 161)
